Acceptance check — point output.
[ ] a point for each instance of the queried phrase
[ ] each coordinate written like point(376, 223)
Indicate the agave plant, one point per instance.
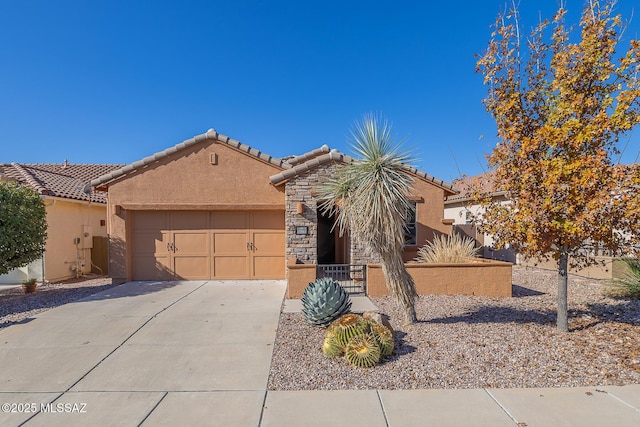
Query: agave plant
point(323, 301)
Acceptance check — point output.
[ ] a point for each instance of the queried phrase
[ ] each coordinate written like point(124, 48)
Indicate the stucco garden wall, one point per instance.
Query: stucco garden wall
point(487, 278)
point(606, 268)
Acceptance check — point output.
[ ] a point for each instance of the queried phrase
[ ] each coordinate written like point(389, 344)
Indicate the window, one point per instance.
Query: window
point(411, 229)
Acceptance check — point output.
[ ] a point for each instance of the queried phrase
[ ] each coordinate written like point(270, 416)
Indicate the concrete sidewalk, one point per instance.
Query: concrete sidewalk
point(198, 353)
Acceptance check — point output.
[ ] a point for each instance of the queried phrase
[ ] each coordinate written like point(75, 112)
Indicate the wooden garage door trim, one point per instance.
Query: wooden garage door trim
point(201, 245)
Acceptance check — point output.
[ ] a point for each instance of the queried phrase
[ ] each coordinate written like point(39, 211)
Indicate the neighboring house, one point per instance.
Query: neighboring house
point(464, 211)
point(214, 208)
point(74, 217)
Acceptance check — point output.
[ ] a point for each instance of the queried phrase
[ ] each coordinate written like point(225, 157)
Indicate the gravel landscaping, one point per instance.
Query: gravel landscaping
point(16, 306)
point(480, 342)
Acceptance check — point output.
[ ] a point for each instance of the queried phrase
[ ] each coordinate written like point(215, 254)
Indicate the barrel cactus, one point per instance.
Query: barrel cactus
point(363, 351)
point(323, 301)
point(348, 326)
point(384, 338)
point(330, 347)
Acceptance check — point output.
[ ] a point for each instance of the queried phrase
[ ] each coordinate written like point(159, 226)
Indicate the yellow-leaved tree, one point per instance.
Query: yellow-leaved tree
point(561, 100)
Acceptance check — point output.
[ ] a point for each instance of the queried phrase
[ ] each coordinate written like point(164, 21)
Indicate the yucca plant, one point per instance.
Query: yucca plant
point(629, 284)
point(377, 184)
point(323, 301)
point(447, 249)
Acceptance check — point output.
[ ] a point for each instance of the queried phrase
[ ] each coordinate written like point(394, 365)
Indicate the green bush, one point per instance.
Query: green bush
point(23, 226)
point(629, 285)
point(447, 249)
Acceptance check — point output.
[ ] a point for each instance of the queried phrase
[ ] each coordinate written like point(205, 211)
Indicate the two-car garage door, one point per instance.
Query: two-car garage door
point(201, 245)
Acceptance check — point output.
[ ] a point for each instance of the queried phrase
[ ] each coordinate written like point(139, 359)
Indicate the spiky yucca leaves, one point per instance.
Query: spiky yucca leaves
point(347, 327)
point(330, 347)
point(324, 301)
point(384, 338)
point(363, 351)
point(379, 184)
point(447, 249)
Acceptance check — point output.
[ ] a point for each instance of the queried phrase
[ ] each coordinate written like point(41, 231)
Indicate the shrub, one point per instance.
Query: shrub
point(447, 249)
point(23, 226)
point(629, 285)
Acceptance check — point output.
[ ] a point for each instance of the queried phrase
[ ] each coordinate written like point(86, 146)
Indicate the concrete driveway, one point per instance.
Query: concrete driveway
point(198, 354)
point(144, 353)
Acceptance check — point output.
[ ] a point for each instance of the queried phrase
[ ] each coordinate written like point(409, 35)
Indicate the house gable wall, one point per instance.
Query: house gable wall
point(65, 221)
point(430, 210)
point(205, 176)
point(302, 189)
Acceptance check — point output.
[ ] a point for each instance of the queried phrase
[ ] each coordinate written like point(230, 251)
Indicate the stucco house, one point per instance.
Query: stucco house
point(74, 218)
point(463, 211)
point(214, 208)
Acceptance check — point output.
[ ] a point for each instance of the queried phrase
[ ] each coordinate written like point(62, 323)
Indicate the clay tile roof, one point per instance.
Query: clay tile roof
point(294, 160)
point(308, 161)
point(211, 134)
point(59, 180)
point(483, 183)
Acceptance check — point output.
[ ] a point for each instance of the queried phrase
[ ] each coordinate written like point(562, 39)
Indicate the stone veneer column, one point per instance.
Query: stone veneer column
point(302, 189)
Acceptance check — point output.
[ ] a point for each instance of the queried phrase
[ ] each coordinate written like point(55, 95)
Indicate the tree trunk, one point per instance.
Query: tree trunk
point(563, 277)
point(400, 285)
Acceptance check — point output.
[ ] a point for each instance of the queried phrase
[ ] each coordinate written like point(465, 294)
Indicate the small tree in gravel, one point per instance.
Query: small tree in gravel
point(369, 197)
point(23, 226)
point(560, 107)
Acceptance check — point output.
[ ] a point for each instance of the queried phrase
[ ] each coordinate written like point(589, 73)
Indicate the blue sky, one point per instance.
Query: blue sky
point(115, 81)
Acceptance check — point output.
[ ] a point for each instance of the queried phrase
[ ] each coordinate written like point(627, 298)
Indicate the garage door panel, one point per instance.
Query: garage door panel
point(229, 220)
point(268, 242)
point(149, 243)
point(191, 267)
point(151, 268)
point(185, 220)
point(268, 267)
point(191, 243)
point(230, 243)
point(267, 221)
point(151, 220)
point(230, 267)
point(203, 245)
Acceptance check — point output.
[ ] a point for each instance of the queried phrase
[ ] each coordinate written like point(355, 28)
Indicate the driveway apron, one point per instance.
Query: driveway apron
point(144, 353)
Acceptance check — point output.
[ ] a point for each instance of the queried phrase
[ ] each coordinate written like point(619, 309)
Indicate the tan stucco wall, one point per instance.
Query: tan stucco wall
point(187, 180)
point(430, 213)
point(487, 278)
point(65, 220)
point(298, 278)
point(605, 267)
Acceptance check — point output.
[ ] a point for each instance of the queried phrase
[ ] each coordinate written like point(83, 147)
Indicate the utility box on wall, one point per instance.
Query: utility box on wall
point(86, 238)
